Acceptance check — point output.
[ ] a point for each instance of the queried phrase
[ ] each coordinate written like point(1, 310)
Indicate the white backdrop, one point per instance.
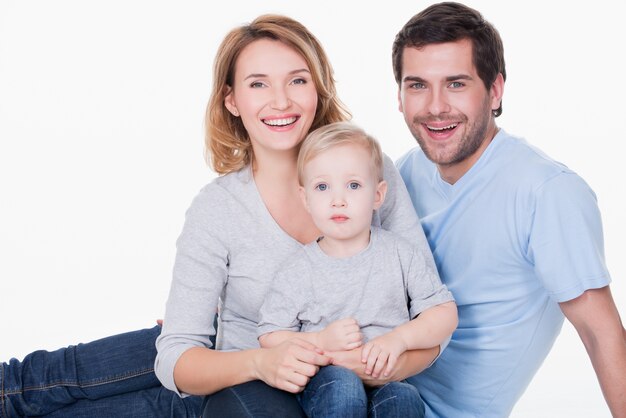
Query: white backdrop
point(101, 130)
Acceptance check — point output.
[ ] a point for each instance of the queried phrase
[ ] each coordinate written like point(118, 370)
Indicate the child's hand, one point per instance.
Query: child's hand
point(343, 334)
point(381, 354)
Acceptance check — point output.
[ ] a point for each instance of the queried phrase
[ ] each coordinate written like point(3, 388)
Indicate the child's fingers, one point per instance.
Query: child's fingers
point(355, 337)
point(352, 345)
point(365, 352)
point(371, 359)
point(381, 362)
point(391, 363)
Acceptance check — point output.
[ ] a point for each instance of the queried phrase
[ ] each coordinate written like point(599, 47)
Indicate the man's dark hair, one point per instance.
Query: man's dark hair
point(451, 22)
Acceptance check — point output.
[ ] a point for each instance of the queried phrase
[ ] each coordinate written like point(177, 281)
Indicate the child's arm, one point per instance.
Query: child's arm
point(343, 334)
point(429, 329)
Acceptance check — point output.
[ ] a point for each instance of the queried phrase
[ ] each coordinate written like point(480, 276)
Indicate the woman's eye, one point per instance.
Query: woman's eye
point(354, 185)
point(299, 81)
point(321, 187)
point(257, 84)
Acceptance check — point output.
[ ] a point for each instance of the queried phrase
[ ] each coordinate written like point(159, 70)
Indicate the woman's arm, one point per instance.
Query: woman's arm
point(288, 366)
point(409, 363)
point(429, 329)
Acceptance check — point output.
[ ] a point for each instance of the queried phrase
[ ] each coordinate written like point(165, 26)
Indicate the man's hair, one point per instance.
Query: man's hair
point(335, 135)
point(451, 22)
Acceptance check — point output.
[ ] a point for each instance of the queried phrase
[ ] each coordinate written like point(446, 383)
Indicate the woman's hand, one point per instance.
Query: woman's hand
point(343, 334)
point(290, 365)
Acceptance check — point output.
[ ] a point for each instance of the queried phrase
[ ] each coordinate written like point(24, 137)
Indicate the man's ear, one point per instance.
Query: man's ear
point(400, 100)
point(303, 198)
point(381, 192)
point(496, 92)
point(229, 101)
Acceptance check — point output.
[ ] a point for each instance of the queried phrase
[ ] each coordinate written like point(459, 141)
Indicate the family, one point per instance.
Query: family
point(316, 278)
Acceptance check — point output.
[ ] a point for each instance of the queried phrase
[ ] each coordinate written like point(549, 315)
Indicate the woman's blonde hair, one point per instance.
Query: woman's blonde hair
point(335, 135)
point(227, 142)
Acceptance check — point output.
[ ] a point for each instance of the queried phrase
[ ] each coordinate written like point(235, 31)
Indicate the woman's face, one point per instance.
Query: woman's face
point(274, 95)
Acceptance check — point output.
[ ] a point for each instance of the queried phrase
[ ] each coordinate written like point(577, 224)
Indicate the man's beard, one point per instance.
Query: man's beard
point(472, 138)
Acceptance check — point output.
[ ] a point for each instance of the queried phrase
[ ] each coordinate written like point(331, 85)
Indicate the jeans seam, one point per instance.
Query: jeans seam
point(383, 401)
point(241, 402)
point(315, 394)
point(73, 384)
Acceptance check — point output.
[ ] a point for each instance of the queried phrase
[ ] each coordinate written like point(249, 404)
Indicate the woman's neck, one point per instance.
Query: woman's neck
point(280, 171)
point(277, 183)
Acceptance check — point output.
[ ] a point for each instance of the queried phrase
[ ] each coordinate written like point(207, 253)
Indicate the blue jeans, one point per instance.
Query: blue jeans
point(252, 399)
point(338, 392)
point(111, 377)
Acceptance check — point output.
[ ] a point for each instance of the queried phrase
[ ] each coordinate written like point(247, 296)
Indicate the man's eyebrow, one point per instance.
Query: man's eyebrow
point(414, 79)
point(292, 72)
point(459, 77)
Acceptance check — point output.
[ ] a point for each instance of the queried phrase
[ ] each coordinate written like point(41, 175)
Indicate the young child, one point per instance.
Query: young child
point(357, 285)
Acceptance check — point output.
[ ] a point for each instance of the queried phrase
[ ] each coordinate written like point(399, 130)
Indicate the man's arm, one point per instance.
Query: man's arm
point(597, 321)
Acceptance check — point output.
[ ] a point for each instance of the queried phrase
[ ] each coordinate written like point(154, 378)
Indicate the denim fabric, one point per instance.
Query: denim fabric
point(252, 399)
point(338, 392)
point(111, 377)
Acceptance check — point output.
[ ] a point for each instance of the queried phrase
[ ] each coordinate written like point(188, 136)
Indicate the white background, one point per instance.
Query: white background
point(101, 142)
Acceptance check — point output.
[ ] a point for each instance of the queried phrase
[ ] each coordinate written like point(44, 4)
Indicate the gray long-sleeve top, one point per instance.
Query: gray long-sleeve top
point(227, 255)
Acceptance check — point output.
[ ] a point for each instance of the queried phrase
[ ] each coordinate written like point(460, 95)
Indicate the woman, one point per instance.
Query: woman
point(272, 85)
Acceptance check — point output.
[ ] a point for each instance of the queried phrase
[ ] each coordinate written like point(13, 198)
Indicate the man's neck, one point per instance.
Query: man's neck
point(451, 173)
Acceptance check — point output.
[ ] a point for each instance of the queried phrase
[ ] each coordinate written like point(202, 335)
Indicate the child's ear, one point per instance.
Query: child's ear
point(381, 192)
point(303, 198)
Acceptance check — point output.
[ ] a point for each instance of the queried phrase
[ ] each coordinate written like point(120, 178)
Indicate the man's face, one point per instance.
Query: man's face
point(446, 105)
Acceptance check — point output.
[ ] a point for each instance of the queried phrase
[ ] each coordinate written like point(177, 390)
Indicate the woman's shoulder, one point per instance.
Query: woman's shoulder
point(224, 192)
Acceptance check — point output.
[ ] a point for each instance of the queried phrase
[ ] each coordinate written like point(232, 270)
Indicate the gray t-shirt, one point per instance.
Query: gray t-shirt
point(227, 255)
point(385, 285)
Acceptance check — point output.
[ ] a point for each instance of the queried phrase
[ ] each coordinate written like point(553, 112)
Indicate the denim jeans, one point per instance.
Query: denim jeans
point(338, 392)
point(252, 399)
point(111, 377)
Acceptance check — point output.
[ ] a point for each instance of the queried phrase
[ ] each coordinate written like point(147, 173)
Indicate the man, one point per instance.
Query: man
point(516, 236)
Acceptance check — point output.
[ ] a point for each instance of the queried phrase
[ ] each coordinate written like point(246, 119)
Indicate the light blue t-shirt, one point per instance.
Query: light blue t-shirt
point(517, 234)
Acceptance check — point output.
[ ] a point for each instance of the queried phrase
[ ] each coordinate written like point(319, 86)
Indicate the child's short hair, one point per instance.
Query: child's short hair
point(334, 135)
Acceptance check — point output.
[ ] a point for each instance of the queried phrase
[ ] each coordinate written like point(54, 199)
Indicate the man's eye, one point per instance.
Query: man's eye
point(321, 187)
point(354, 185)
point(417, 86)
point(456, 84)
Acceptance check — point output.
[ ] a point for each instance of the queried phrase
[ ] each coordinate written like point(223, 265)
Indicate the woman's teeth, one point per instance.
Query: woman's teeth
point(280, 122)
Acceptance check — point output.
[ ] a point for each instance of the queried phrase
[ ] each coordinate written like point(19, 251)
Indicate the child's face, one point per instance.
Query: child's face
point(341, 192)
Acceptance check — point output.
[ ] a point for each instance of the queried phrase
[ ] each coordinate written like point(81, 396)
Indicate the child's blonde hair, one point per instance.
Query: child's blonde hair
point(334, 135)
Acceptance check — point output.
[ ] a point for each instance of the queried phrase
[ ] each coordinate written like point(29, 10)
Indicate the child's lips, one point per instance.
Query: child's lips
point(339, 218)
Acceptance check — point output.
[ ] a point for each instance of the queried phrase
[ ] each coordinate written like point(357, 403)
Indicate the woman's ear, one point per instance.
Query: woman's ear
point(229, 102)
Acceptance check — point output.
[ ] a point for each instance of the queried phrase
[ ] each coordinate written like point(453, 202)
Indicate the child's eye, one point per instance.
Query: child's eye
point(354, 185)
point(321, 187)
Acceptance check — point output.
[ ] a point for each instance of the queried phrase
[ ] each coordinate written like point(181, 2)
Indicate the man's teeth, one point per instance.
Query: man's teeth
point(280, 122)
point(452, 126)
